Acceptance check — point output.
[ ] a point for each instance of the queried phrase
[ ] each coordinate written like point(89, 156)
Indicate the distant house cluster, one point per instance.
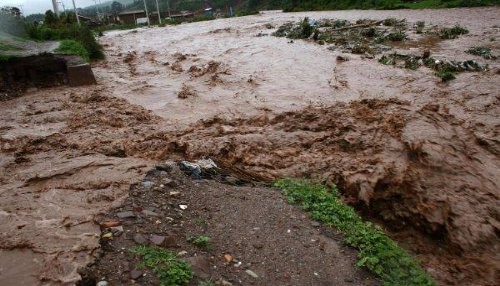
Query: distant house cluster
point(139, 16)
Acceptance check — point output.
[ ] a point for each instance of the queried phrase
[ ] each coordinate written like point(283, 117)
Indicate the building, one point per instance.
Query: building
point(130, 17)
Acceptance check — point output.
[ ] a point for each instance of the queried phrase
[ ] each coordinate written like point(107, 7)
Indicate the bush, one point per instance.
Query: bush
point(81, 34)
point(452, 33)
point(72, 47)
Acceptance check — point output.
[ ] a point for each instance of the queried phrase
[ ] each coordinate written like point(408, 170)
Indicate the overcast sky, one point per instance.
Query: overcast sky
point(40, 6)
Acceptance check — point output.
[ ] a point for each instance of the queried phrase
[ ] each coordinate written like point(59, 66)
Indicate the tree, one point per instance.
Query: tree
point(116, 8)
point(50, 19)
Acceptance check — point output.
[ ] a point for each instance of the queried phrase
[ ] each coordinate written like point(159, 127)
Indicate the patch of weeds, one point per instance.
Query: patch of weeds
point(387, 60)
point(361, 49)
point(445, 75)
point(412, 63)
point(452, 33)
point(171, 271)
point(482, 52)
point(72, 47)
point(302, 30)
point(393, 22)
point(377, 252)
point(200, 240)
point(419, 27)
point(396, 36)
point(369, 33)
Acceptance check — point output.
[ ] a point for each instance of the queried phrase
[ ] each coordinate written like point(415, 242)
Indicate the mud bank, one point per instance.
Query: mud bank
point(18, 74)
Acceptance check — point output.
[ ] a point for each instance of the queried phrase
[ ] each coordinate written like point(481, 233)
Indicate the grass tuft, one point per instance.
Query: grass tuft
point(72, 47)
point(377, 252)
point(171, 271)
point(200, 240)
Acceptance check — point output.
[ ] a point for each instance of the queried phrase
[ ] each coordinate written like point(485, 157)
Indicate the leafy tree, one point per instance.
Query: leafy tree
point(50, 19)
point(116, 7)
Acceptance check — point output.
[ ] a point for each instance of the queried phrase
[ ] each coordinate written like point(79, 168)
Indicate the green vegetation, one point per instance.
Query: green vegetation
point(301, 30)
point(482, 52)
point(377, 252)
point(171, 271)
point(419, 27)
point(452, 33)
point(65, 28)
point(8, 47)
point(200, 240)
point(309, 5)
point(72, 47)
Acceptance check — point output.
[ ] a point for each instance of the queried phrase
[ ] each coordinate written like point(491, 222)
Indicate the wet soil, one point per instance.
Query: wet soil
point(418, 156)
point(250, 228)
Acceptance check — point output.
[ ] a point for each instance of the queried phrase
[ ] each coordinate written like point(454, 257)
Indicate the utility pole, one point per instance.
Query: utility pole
point(56, 8)
point(76, 13)
point(147, 14)
point(168, 8)
point(158, 10)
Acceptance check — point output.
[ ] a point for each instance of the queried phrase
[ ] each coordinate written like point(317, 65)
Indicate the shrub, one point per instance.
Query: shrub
point(452, 33)
point(81, 34)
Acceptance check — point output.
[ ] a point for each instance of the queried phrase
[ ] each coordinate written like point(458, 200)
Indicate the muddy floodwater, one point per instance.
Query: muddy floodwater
point(418, 156)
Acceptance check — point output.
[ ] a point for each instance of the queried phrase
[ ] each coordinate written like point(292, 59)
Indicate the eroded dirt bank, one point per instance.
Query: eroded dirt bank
point(418, 155)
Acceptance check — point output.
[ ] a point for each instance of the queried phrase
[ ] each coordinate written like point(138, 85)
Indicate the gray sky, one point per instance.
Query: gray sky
point(40, 6)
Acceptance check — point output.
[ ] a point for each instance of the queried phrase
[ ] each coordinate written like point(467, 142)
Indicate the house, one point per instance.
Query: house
point(130, 17)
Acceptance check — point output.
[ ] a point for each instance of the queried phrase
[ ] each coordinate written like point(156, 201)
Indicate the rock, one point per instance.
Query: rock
point(342, 58)
point(102, 283)
point(183, 207)
point(200, 266)
point(157, 240)
point(110, 223)
point(127, 214)
point(182, 253)
point(231, 180)
point(251, 273)
point(169, 182)
point(147, 184)
point(228, 258)
point(174, 194)
point(224, 282)
point(107, 235)
point(135, 274)
point(140, 239)
point(116, 230)
point(149, 213)
point(80, 74)
point(171, 241)
point(315, 224)
point(166, 168)
point(199, 168)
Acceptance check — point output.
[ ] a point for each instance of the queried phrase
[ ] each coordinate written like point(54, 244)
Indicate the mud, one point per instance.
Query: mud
point(419, 156)
point(266, 235)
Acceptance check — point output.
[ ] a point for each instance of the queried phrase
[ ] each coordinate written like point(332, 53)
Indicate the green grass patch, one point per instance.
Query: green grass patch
point(72, 47)
point(200, 240)
point(171, 271)
point(9, 47)
point(377, 252)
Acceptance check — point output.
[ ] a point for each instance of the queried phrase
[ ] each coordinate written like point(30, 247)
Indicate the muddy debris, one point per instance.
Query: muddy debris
point(186, 92)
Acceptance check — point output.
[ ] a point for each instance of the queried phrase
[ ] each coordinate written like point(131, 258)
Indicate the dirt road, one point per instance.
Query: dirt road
point(417, 155)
